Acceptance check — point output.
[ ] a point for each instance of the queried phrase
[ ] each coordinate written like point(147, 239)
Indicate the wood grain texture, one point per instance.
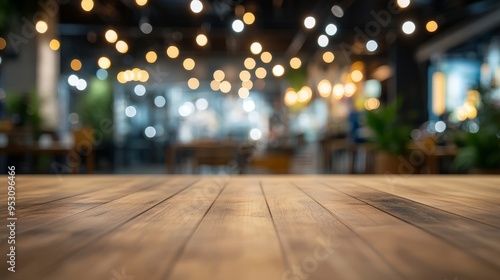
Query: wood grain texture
point(254, 227)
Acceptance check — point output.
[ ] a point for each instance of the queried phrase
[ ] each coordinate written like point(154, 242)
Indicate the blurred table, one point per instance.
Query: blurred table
point(54, 149)
point(249, 227)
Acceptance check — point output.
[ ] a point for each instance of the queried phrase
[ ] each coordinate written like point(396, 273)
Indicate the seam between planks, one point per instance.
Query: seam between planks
point(382, 257)
point(185, 243)
point(478, 258)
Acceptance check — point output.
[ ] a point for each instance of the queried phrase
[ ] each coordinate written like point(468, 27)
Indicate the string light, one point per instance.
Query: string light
point(104, 62)
point(324, 88)
point(76, 64)
point(219, 75)
point(278, 70)
point(248, 18)
point(188, 64)
point(243, 93)
point(215, 85)
point(247, 84)
point(151, 57)
point(111, 36)
point(403, 3)
point(260, 73)
point(173, 52)
point(328, 57)
point(121, 46)
point(141, 2)
point(331, 29)
point(309, 22)
point(408, 27)
point(238, 26)
point(245, 76)
point(256, 48)
point(41, 27)
point(193, 83)
point(201, 40)
point(196, 6)
point(266, 57)
point(87, 5)
point(225, 87)
point(371, 45)
point(431, 26)
point(54, 44)
point(323, 41)
point(295, 63)
point(356, 76)
point(249, 63)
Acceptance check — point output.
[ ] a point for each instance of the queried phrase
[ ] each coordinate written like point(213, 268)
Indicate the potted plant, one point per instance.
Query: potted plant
point(391, 138)
point(479, 147)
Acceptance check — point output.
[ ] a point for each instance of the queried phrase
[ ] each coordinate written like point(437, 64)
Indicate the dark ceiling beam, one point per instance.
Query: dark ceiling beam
point(459, 35)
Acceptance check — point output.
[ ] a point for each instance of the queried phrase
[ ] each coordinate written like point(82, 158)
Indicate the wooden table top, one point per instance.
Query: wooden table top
point(255, 227)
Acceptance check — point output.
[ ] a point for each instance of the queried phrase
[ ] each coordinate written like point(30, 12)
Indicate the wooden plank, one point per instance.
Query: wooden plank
point(40, 251)
point(145, 247)
point(317, 245)
point(410, 249)
point(36, 216)
point(236, 239)
point(476, 238)
point(444, 196)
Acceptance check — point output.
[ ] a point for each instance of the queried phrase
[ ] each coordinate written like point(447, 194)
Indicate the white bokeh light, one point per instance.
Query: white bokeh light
point(81, 85)
point(201, 104)
point(196, 6)
point(309, 22)
point(331, 29)
point(160, 101)
point(150, 132)
point(255, 134)
point(186, 109)
point(408, 27)
point(371, 45)
point(248, 105)
point(130, 111)
point(440, 126)
point(323, 41)
point(139, 90)
point(73, 80)
point(238, 26)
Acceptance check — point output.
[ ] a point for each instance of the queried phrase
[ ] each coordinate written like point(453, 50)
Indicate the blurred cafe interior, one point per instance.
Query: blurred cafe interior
point(250, 87)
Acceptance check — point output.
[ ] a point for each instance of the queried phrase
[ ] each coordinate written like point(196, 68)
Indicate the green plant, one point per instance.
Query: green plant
point(389, 133)
point(25, 108)
point(481, 149)
point(96, 105)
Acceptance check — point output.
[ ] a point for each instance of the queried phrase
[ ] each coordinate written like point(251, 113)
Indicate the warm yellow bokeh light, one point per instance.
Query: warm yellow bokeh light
point(338, 91)
point(260, 73)
point(247, 84)
point(144, 76)
point(173, 52)
point(76, 64)
point(193, 83)
point(304, 95)
point(290, 97)
point(350, 89)
point(104, 62)
point(249, 63)
point(87, 5)
point(243, 93)
point(219, 75)
point(295, 63)
point(356, 76)
point(121, 77)
point(256, 48)
point(324, 88)
point(188, 64)
point(121, 46)
point(225, 87)
point(328, 57)
point(41, 26)
point(278, 70)
point(248, 18)
point(111, 36)
point(245, 76)
point(141, 2)
point(54, 45)
point(372, 104)
point(215, 85)
point(151, 57)
point(431, 26)
point(201, 40)
point(266, 57)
